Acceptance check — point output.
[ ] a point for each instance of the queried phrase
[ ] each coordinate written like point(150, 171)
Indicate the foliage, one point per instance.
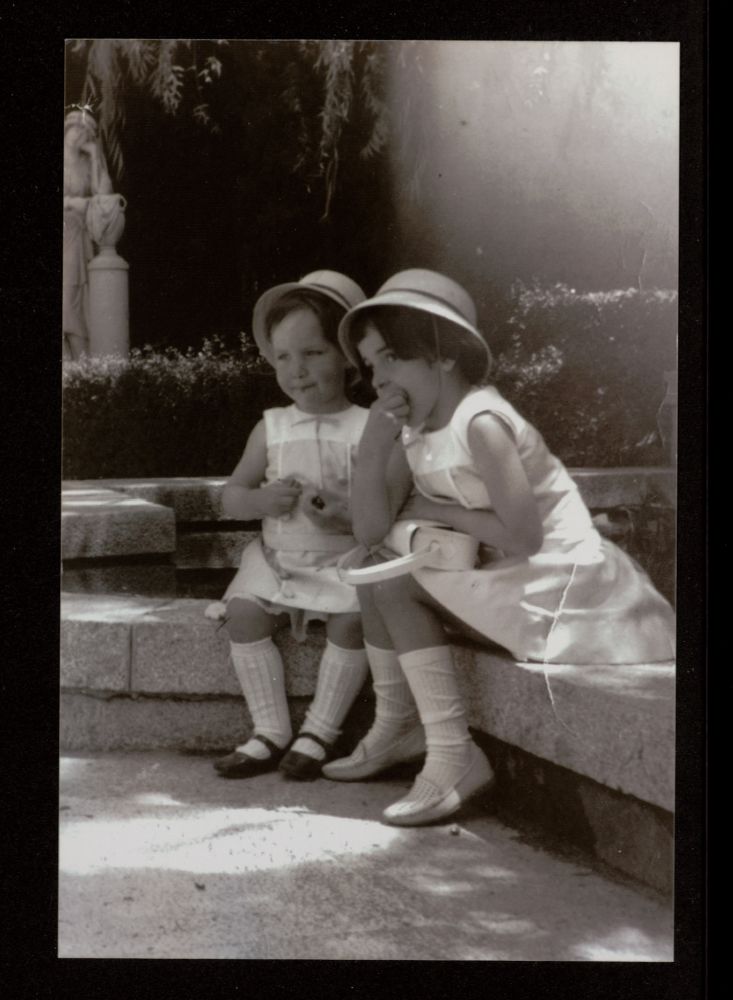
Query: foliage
point(181, 73)
point(170, 413)
point(161, 414)
point(161, 67)
point(587, 369)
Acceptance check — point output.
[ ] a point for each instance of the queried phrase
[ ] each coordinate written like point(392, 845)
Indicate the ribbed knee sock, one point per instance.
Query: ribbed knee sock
point(431, 676)
point(259, 668)
point(341, 676)
point(395, 708)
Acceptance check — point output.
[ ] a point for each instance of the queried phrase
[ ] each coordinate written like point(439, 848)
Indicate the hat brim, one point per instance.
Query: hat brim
point(409, 300)
point(262, 307)
point(269, 299)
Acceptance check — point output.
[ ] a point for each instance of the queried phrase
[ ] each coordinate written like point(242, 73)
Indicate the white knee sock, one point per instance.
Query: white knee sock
point(341, 676)
point(395, 708)
point(259, 668)
point(431, 676)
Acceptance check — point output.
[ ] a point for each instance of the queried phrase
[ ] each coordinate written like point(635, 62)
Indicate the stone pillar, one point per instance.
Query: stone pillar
point(109, 313)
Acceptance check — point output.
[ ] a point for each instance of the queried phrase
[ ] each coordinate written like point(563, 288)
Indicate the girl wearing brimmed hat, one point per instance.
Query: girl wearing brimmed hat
point(546, 585)
point(296, 476)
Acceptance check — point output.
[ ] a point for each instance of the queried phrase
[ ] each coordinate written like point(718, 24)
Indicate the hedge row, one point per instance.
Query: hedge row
point(587, 369)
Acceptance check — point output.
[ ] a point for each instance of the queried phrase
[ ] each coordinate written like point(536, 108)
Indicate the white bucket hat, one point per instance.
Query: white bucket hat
point(426, 291)
point(331, 284)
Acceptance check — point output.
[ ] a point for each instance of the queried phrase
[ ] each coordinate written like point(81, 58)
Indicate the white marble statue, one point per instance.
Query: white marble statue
point(85, 179)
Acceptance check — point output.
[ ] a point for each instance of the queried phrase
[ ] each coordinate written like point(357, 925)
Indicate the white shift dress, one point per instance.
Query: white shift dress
point(292, 566)
point(580, 599)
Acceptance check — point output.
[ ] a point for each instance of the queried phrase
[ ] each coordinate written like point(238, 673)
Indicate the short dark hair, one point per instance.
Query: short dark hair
point(413, 333)
point(328, 312)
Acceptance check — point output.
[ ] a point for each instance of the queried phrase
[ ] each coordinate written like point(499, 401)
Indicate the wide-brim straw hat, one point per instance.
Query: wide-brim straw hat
point(426, 291)
point(331, 284)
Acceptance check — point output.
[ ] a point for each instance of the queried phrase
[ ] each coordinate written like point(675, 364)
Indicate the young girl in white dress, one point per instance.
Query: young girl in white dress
point(296, 475)
point(547, 586)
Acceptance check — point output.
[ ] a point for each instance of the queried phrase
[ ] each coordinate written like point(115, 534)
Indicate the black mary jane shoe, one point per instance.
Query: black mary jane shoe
point(240, 765)
point(301, 766)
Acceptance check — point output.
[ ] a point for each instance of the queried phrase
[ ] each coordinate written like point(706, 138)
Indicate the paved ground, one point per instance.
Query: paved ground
point(160, 858)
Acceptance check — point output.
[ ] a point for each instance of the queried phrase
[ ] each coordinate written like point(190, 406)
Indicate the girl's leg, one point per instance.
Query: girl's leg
point(396, 735)
point(259, 668)
point(455, 768)
point(341, 675)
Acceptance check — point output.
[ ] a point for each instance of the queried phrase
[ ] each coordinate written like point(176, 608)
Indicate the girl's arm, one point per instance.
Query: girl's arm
point(244, 498)
point(514, 525)
point(382, 477)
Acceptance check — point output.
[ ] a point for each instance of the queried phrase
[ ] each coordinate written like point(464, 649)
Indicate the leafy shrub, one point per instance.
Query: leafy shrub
point(169, 414)
point(587, 370)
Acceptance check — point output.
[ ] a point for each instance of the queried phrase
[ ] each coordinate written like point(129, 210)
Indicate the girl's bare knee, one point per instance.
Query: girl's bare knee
point(247, 621)
point(345, 630)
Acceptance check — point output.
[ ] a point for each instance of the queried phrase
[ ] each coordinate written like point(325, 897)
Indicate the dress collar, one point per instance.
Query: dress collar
point(301, 417)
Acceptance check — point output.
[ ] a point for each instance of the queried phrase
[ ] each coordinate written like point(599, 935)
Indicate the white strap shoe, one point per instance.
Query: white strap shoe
point(426, 803)
point(363, 763)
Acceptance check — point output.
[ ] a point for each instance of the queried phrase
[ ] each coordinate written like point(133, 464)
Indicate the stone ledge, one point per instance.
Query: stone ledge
point(98, 522)
point(612, 724)
point(630, 486)
point(571, 812)
point(199, 498)
point(192, 498)
point(96, 723)
point(162, 646)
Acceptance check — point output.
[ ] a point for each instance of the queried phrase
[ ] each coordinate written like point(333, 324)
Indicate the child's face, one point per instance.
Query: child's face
point(417, 378)
point(308, 367)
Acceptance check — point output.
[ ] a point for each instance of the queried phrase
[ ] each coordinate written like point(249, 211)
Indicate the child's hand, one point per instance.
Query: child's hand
point(278, 499)
point(326, 509)
point(387, 416)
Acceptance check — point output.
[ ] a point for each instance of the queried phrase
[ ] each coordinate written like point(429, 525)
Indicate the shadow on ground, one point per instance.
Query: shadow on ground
point(161, 858)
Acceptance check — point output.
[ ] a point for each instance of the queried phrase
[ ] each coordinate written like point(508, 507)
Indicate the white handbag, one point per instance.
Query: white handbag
point(418, 543)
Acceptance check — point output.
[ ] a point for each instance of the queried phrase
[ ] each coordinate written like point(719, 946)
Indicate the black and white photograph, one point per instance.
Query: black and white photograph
point(370, 364)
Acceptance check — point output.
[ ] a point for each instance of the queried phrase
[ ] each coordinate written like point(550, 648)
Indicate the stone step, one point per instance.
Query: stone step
point(612, 724)
point(211, 549)
point(99, 522)
point(160, 646)
point(192, 498)
point(199, 498)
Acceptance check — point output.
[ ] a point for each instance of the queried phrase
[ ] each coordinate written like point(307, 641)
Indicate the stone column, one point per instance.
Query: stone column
point(109, 314)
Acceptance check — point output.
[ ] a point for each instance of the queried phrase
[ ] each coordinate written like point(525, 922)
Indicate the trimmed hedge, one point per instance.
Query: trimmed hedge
point(586, 369)
point(167, 414)
point(164, 414)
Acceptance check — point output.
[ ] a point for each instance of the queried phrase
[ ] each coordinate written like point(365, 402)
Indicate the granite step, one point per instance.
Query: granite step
point(589, 749)
point(100, 522)
point(614, 724)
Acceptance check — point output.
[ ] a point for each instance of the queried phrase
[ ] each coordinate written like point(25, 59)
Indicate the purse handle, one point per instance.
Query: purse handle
point(394, 567)
point(444, 549)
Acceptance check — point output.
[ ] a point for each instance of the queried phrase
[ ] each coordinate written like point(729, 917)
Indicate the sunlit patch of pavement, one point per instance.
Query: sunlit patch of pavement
point(160, 858)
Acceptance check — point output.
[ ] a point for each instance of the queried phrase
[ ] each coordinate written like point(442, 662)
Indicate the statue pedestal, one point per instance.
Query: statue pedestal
point(109, 308)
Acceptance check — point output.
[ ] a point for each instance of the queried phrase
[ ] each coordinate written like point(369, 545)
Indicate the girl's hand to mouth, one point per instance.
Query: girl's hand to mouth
point(387, 416)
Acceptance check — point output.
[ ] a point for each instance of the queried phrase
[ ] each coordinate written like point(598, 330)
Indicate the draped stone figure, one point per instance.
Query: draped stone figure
point(92, 213)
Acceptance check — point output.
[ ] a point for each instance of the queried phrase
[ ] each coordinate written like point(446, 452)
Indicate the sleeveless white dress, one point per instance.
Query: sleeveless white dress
point(580, 599)
point(292, 566)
